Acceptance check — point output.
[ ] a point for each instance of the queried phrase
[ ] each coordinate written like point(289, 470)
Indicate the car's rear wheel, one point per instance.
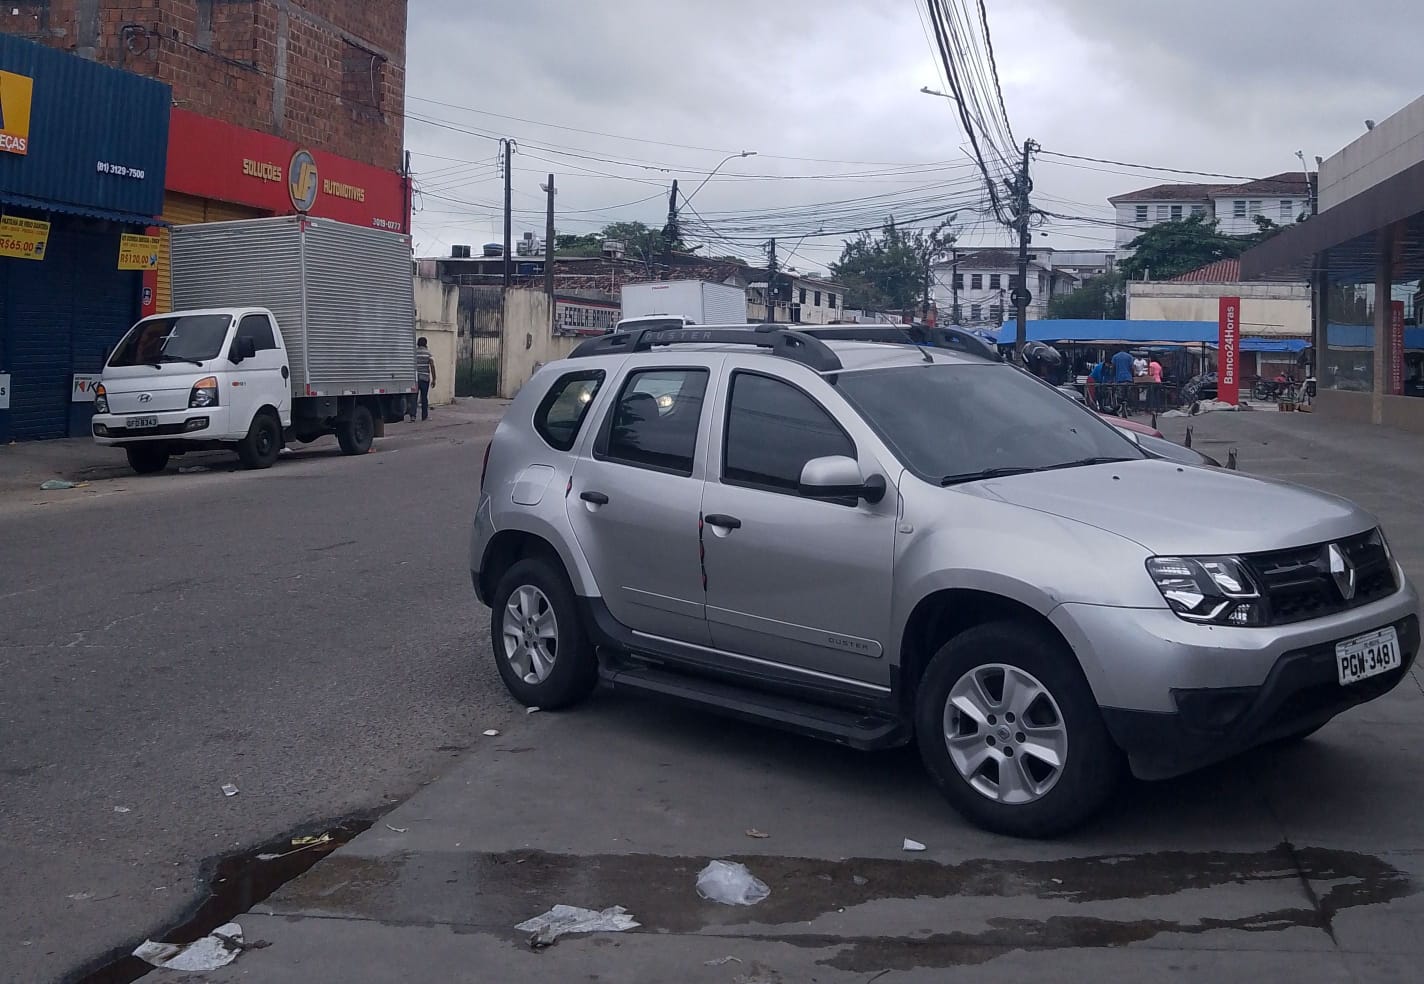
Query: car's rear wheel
point(147, 459)
point(543, 654)
point(1009, 730)
point(357, 432)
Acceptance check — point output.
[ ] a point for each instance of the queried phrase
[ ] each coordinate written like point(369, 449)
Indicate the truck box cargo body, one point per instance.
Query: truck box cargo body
point(341, 293)
point(698, 301)
point(286, 329)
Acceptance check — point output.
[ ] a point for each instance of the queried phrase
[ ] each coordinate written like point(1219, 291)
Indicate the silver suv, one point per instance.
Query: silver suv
point(880, 543)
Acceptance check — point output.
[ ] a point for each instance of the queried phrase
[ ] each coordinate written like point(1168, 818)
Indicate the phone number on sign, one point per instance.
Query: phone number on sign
point(393, 226)
point(104, 167)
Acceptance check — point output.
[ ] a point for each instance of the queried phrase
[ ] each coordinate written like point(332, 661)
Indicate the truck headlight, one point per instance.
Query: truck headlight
point(101, 399)
point(1218, 590)
point(205, 393)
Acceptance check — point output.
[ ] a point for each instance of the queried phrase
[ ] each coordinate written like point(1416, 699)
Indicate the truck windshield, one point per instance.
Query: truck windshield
point(181, 338)
point(959, 423)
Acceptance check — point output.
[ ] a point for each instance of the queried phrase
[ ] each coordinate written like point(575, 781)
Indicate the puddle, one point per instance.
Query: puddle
point(237, 884)
point(494, 891)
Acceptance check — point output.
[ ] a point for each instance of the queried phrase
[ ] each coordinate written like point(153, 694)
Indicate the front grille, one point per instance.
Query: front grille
point(1297, 585)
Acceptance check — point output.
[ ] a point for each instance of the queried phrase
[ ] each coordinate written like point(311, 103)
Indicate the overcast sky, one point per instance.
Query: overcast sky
point(831, 87)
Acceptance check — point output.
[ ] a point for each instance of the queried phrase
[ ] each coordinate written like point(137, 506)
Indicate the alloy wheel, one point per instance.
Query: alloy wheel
point(1005, 733)
point(531, 634)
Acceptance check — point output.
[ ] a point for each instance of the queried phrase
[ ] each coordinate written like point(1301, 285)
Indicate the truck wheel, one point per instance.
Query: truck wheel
point(147, 459)
point(540, 648)
point(1010, 732)
point(357, 431)
point(263, 443)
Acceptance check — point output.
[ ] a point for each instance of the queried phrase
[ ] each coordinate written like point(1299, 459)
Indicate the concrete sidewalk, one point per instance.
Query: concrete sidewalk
point(1290, 863)
point(24, 466)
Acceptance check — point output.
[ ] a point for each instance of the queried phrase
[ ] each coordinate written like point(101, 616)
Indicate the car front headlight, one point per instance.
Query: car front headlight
point(205, 393)
point(1217, 590)
point(101, 399)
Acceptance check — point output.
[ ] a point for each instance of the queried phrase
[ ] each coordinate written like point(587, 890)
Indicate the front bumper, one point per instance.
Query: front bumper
point(1177, 696)
point(192, 424)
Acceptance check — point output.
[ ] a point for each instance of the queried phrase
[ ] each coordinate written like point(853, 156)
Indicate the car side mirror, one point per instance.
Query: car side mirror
point(243, 347)
point(838, 477)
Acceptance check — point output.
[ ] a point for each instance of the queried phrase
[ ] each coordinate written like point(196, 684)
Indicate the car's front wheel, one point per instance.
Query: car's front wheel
point(543, 654)
point(1009, 730)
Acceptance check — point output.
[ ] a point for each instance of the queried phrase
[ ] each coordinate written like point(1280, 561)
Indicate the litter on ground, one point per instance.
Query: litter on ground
point(730, 883)
point(218, 949)
point(912, 845)
point(56, 484)
point(229, 789)
point(757, 834)
point(562, 920)
point(492, 733)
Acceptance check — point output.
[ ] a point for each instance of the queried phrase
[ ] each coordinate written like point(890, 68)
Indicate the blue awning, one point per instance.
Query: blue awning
point(41, 205)
point(1087, 329)
point(1362, 336)
point(1274, 344)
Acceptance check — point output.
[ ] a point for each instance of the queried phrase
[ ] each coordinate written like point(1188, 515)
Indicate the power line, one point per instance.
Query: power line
point(1148, 167)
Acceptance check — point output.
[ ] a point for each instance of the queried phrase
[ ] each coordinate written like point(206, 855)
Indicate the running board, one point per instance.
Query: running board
point(856, 729)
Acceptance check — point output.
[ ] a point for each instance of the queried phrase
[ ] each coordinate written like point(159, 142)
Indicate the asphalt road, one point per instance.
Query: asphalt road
point(304, 634)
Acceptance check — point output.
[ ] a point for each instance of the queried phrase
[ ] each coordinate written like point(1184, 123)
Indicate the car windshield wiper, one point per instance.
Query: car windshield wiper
point(1086, 461)
point(170, 357)
point(986, 473)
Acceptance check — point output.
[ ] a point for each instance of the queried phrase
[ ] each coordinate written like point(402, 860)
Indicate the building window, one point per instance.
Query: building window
point(1254, 207)
point(994, 283)
point(976, 313)
point(1238, 209)
point(1176, 213)
point(959, 281)
point(1198, 211)
point(1287, 209)
point(1162, 213)
point(976, 282)
point(363, 79)
point(996, 313)
point(1142, 213)
point(818, 299)
point(831, 300)
point(802, 299)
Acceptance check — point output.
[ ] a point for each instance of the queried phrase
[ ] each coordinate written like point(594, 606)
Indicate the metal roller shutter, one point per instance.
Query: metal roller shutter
point(187, 210)
point(38, 323)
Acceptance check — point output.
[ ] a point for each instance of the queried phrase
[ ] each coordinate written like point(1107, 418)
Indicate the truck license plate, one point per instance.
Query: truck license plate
point(1367, 655)
point(140, 423)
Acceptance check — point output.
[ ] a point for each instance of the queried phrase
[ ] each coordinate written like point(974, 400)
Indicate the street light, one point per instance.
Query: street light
point(732, 157)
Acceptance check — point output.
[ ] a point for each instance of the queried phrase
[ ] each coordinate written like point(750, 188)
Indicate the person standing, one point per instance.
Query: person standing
point(424, 376)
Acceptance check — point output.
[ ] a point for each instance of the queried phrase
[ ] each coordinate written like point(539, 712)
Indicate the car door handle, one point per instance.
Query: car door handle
point(725, 522)
point(597, 498)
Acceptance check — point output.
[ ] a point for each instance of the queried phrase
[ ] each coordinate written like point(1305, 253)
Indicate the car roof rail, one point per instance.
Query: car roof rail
point(937, 336)
point(793, 345)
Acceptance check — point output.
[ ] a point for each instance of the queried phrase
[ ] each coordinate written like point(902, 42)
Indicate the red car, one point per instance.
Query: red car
point(1124, 423)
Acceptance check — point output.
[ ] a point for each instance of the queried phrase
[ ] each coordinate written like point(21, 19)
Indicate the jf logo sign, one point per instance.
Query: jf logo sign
point(302, 181)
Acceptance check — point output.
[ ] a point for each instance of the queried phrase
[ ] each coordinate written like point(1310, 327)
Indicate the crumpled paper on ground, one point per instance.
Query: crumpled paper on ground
point(208, 953)
point(564, 919)
point(730, 883)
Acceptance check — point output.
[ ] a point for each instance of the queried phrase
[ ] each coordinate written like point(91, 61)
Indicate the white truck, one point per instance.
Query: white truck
point(283, 329)
point(694, 302)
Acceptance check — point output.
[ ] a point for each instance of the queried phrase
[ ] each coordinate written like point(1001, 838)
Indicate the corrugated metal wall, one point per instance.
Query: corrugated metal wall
point(187, 210)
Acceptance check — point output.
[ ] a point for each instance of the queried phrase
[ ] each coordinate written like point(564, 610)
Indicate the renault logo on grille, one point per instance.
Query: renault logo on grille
point(145, 397)
point(1342, 572)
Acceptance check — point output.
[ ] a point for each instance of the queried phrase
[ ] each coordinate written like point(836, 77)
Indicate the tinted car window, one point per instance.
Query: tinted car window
point(654, 422)
point(561, 413)
point(259, 329)
point(192, 337)
point(951, 423)
point(773, 429)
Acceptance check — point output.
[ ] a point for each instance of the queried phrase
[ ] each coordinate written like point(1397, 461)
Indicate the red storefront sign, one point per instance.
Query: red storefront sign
point(1228, 366)
point(208, 158)
point(1396, 347)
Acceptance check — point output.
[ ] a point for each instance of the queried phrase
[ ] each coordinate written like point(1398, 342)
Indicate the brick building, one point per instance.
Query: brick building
point(279, 106)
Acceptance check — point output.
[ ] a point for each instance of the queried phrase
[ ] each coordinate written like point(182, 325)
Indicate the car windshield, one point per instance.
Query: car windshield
point(183, 338)
point(953, 423)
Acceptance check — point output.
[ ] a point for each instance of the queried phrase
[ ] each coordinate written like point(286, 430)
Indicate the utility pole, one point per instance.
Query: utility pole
point(1022, 214)
point(954, 285)
point(771, 283)
point(508, 214)
point(670, 231)
point(549, 245)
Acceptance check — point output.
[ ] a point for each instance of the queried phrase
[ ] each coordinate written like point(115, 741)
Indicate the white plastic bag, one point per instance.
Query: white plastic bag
point(564, 919)
point(731, 884)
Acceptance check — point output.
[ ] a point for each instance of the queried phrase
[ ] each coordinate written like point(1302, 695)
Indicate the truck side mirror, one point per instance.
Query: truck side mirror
point(243, 347)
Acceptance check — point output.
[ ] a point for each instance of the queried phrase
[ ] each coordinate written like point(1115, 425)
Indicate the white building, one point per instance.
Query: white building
point(1282, 198)
point(982, 283)
point(1083, 264)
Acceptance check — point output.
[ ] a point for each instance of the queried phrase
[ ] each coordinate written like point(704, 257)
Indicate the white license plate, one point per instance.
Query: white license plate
point(139, 423)
point(1367, 655)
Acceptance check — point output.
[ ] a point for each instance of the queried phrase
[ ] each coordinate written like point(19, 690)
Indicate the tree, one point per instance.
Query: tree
point(639, 242)
point(1170, 249)
point(1097, 297)
point(586, 245)
point(891, 271)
